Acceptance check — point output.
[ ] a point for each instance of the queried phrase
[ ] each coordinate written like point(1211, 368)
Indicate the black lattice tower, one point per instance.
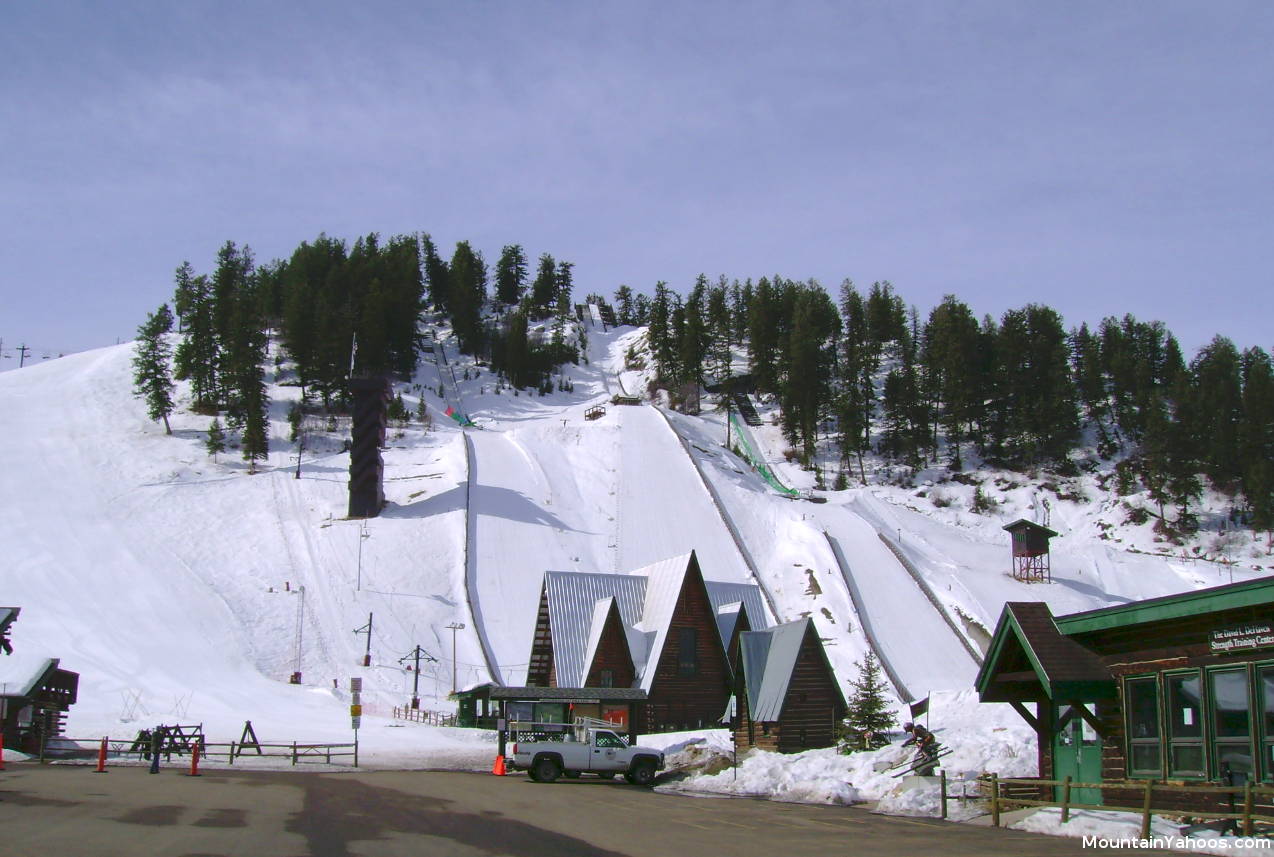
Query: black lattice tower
point(1030, 551)
point(366, 468)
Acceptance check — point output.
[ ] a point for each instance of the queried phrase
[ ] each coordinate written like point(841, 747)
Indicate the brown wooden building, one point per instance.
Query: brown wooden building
point(36, 693)
point(786, 694)
point(662, 629)
point(1177, 689)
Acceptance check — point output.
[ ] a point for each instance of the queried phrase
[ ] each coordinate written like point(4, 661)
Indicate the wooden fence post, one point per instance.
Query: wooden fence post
point(995, 800)
point(1066, 799)
point(942, 782)
point(1145, 811)
point(293, 752)
point(1247, 808)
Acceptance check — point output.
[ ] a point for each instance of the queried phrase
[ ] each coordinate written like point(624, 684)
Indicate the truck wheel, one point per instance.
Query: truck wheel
point(547, 770)
point(643, 773)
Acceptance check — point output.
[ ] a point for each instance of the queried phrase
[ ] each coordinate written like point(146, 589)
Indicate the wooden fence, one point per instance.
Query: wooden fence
point(1009, 792)
point(296, 751)
point(429, 718)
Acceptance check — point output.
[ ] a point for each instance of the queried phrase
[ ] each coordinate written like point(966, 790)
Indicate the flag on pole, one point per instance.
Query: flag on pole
point(919, 707)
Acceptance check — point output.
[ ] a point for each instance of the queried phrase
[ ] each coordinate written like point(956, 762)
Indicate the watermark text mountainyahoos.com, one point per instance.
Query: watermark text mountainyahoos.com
point(1188, 843)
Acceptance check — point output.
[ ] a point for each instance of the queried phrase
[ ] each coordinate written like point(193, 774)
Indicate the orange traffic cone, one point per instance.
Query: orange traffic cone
point(498, 768)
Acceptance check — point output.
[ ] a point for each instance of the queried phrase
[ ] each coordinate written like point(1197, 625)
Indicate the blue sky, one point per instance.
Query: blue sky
point(1104, 158)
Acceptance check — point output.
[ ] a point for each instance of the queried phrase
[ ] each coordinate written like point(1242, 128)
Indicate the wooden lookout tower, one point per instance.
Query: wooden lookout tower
point(1030, 551)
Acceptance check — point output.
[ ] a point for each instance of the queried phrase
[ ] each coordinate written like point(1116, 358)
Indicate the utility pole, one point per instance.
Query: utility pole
point(362, 534)
point(454, 626)
point(300, 626)
point(22, 355)
point(367, 629)
point(417, 653)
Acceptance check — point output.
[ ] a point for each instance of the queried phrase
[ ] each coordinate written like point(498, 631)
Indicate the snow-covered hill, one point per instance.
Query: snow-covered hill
point(183, 589)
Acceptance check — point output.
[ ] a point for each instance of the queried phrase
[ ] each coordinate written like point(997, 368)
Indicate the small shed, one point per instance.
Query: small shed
point(1030, 551)
point(550, 711)
point(786, 695)
point(474, 707)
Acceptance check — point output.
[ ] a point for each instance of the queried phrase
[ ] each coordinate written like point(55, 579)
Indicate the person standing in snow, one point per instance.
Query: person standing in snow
point(926, 748)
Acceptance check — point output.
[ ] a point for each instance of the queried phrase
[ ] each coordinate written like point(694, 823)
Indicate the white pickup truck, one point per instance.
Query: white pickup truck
point(592, 747)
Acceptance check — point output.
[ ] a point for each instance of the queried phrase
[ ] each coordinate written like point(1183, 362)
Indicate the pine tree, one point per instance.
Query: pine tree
point(867, 715)
point(216, 441)
point(437, 275)
point(544, 287)
point(152, 377)
point(624, 305)
point(510, 275)
point(197, 355)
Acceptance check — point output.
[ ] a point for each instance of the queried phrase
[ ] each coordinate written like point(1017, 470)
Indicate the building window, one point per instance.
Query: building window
point(1231, 724)
point(1265, 688)
point(687, 652)
point(606, 678)
point(1141, 702)
point(1185, 725)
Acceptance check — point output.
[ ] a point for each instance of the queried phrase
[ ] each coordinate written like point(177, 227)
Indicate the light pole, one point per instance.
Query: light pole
point(362, 535)
point(454, 626)
point(300, 625)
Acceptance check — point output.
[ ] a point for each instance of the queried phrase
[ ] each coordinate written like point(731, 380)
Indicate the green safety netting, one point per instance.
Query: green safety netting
point(751, 454)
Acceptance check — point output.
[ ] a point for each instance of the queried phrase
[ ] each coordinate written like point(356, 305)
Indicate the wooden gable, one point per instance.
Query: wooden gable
point(540, 672)
point(612, 654)
point(690, 687)
point(814, 704)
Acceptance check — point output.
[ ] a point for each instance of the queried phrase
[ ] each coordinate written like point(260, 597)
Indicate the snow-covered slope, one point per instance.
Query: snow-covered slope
point(172, 583)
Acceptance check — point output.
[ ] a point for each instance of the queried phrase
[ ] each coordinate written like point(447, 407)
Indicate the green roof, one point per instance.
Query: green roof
point(1231, 596)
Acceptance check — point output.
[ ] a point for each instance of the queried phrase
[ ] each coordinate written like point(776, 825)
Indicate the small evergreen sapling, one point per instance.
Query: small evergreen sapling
point(867, 717)
point(216, 441)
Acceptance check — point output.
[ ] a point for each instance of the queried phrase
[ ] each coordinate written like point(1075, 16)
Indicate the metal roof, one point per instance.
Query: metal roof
point(21, 675)
point(1057, 664)
point(769, 656)
point(1229, 596)
point(573, 597)
point(666, 578)
point(722, 594)
point(646, 598)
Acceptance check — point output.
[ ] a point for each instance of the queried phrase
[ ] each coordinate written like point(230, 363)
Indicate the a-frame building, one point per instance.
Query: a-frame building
point(663, 629)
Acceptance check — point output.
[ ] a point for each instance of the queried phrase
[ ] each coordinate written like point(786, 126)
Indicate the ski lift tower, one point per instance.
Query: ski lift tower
point(1030, 551)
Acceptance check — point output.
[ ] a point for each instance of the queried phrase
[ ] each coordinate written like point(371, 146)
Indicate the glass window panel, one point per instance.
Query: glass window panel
point(1266, 689)
point(550, 712)
point(1143, 709)
point(1145, 757)
point(1234, 762)
point(1187, 758)
point(1185, 706)
point(1229, 698)
point(687, 654)
point(1087, 734)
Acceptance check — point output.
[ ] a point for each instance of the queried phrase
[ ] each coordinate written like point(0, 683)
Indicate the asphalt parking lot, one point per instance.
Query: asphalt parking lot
point(70, 810)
